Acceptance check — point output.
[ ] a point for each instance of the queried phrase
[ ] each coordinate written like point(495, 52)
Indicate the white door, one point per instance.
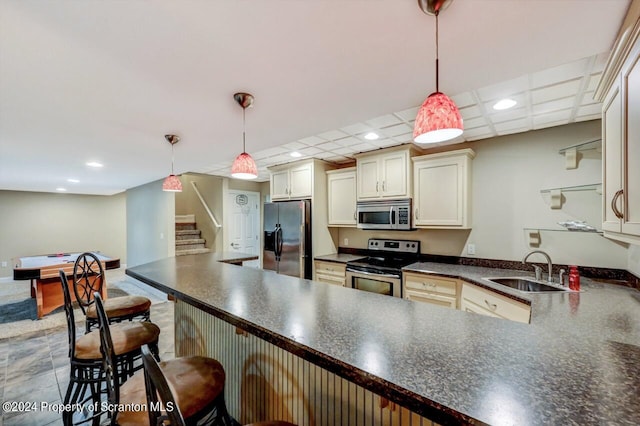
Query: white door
point(243, 224)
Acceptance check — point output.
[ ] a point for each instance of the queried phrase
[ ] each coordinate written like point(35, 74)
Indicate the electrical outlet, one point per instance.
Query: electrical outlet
point(4, 264)
point(471, 249)
point(162, 236)
point(346, 241)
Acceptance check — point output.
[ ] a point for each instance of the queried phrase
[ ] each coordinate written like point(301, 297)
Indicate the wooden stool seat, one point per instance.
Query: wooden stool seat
point(123, 306)
point(127, 337)
point(195, 381)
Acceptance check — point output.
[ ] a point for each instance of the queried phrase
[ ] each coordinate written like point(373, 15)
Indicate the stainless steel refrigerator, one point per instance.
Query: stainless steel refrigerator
point(287, 238)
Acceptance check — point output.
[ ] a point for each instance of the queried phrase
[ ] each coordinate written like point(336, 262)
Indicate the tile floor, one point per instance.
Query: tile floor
point(34, 366)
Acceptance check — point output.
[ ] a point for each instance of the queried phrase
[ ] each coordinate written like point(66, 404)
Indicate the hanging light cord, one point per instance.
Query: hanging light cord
point(172, 158)
point(244, 148)
point(437, 68)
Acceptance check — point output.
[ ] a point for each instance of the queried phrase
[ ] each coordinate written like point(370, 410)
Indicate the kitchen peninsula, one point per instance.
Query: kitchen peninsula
point(314, 353)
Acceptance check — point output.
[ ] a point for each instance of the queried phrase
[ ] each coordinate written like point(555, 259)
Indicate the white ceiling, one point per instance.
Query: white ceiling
point(105, 80)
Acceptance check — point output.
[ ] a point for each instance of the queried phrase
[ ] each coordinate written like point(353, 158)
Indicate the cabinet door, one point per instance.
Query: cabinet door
point(439, 192)
point(301, 181)
point(631, 146)
point(368, 183)
point(493, 303)
point(280, 185)
point(394, 175)
point(342, 198)
point(611, 156)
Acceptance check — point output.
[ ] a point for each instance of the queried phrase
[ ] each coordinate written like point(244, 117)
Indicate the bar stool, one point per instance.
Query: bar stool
point(88, 278)
point(86, 373)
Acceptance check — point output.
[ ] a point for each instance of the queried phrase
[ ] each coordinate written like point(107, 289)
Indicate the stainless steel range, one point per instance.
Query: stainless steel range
point(381, 271)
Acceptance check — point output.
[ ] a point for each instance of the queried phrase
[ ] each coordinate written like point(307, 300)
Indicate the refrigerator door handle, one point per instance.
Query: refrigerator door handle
point(278, 242)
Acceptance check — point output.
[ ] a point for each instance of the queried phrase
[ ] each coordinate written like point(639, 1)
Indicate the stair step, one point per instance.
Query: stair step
point(190, 226)
point(189, 242)
point(185, 218)
point(188, 234)
point(192, 251)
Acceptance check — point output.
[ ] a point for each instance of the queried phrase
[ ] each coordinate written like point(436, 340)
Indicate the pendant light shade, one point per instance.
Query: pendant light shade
point(438, 118)
point(172, 182)
point(244, 167)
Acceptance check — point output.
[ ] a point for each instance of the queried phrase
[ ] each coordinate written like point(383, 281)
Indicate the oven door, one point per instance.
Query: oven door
point(387, 284)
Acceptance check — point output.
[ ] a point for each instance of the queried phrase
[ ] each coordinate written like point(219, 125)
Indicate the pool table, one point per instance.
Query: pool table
point(42, 270)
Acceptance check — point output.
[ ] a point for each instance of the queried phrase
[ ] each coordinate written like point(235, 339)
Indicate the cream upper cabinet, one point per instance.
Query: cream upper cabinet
point(341, 192)
point(442, 189)
point(292, 182)
point(619, 91)
point(384, 176)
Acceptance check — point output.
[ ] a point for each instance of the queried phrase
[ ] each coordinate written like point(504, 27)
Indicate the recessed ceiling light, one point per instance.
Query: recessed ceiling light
point(371, 136)
point(504, 104)
point(94, 164)
point(61, 189)
point(73, 180)
point(296, 154)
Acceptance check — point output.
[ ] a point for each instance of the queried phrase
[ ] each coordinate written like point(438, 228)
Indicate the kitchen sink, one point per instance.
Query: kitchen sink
point(525, 284)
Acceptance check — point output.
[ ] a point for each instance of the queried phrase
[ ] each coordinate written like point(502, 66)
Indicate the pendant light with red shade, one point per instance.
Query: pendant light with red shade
point(438, 118)
point(243, 166)
point(172, 182)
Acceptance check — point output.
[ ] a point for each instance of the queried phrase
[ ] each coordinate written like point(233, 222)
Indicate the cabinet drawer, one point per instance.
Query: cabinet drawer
point(434, 299)
point(330, 269)
point(495, 304)
point(448, 286)
point(467, 306)
point(330, 279)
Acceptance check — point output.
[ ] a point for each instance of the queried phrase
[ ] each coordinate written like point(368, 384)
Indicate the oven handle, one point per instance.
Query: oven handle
point(373, 274)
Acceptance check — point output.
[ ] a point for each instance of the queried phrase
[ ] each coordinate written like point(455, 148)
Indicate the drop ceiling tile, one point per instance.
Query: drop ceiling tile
point(593, 109)
point(588, 98)
point(269, 152)
point(555, 75)
point(344, 151)
point(357, 128)
point(479, 131)
point(332, 135)
point(363, 147)
point(552, 117)
point(507, 115)
point(328, 146)
point(556, 105)
point(384, 121)
point(556, 91)
point(470, 112)
point(383, 143)
point(404, 138)
point(504, 89)
point(474, 122)
point(594, 79)
point(396, 130)
point(520, 125)
point(338, 159)
point(324, 155)
point(312, 140)
point(310, 151)
point(408, 114)
point(348, 141)
point(294, 146)
point(549, 124)
point(462, 100)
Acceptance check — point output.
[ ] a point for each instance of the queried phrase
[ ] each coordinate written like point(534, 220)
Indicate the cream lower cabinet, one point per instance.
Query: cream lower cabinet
point(439, 291)
point(442, 190)
point(330, 272)
point(481, 301)
point(341, 194)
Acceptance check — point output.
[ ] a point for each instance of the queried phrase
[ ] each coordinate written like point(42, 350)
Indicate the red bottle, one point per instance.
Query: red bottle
point(574, 278)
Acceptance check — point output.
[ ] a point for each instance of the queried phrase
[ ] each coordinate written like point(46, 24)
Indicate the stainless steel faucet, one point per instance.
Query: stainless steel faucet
point(537, 268)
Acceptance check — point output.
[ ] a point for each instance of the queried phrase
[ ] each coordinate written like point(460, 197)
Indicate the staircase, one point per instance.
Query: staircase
point(188, 239)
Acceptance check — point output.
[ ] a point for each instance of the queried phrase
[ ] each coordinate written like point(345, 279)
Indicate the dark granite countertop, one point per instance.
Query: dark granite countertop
point(339, 257)
point(578, 362)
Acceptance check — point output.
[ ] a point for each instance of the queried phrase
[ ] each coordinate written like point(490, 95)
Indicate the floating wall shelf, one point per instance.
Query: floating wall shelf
point(555, 194)
point(571, 152)
point(534, 235)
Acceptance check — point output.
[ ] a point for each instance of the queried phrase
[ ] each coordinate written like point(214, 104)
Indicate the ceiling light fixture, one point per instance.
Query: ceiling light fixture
point(504, 104)
point(73, 180)
point(371, 136)
point(243, 166)
point(94, 164)
point(296, 154)
point(61, 189)
point(438, 118)
point(172, 182)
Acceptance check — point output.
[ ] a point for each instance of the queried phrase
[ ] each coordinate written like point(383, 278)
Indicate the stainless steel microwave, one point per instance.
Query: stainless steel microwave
point(390, 215)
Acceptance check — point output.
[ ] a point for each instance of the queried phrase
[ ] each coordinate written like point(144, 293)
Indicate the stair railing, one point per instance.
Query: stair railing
point(204, 204)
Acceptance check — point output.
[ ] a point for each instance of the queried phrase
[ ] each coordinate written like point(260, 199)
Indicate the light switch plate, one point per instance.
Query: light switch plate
point(471, 249)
